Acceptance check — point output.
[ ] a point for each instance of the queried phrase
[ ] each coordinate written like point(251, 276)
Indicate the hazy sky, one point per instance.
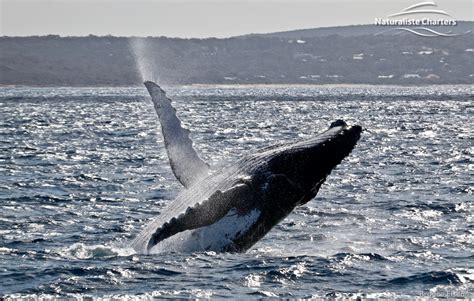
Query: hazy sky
point(186, 18)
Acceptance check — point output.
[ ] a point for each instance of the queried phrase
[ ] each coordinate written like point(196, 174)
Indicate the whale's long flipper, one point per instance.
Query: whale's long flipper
point(204, 214)
point(186, 164)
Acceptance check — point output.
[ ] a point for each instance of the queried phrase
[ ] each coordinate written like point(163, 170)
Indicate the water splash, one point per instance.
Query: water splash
point(143, 59)
point(82, 251)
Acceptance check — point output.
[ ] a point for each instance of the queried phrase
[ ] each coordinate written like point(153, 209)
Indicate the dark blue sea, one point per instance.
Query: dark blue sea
point(82, 170)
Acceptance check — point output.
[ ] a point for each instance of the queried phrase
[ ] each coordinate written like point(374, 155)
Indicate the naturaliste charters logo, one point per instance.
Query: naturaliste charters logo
point(415, 22)
point(407, 20)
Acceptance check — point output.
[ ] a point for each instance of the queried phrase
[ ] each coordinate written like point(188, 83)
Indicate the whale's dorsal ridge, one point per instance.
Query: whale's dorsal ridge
point(186, 164)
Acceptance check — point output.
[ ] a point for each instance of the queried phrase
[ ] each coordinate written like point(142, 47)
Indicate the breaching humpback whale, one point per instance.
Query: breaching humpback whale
point(232, 208)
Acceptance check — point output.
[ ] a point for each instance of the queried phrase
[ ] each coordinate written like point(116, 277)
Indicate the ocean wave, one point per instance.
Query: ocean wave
point(432, 278)
point(82, 251)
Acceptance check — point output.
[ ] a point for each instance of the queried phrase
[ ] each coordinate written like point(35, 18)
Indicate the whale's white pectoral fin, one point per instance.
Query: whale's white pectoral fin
point(200, 215)
point(186, 164)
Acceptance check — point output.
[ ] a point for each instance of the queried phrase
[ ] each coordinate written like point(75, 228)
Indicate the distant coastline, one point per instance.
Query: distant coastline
point(338, 55)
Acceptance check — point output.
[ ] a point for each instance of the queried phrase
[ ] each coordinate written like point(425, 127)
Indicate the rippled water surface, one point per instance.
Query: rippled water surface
point(82, 170)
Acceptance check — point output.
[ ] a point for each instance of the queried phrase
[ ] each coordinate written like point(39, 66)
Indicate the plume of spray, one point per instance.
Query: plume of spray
point(142, 57)
point(144, 65)
point(143, 61)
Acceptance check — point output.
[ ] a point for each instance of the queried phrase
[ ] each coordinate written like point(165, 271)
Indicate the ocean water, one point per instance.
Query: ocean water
point(82, 170)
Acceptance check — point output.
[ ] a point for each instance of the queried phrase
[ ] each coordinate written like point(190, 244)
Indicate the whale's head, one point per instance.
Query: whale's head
point(306, 164)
